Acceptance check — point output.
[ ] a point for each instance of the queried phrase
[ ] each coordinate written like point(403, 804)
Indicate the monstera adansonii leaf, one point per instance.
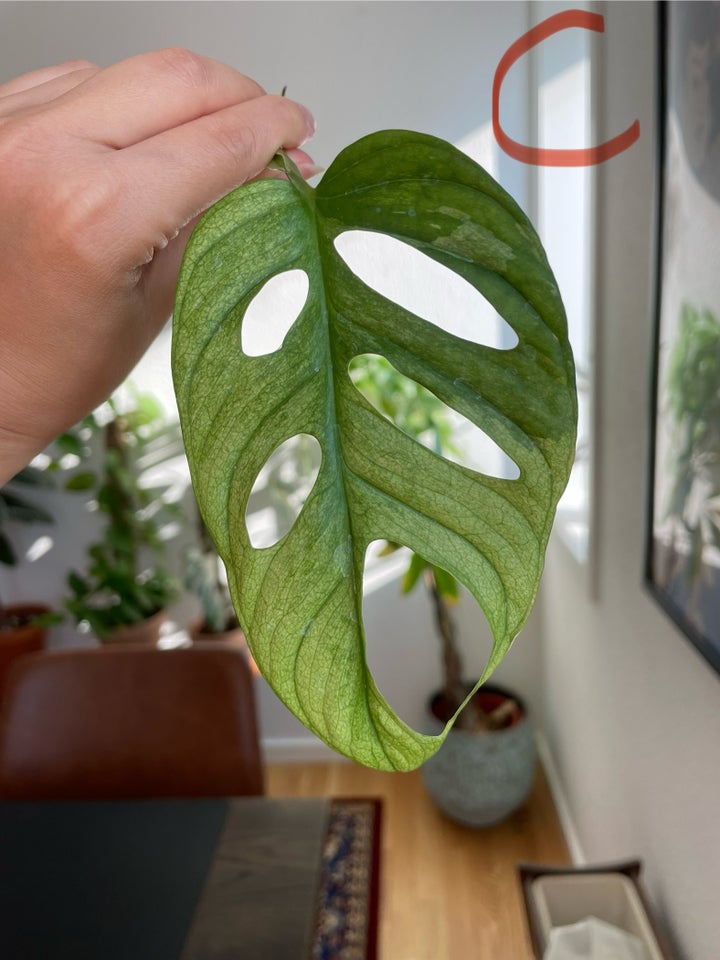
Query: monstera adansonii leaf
point(300, 600)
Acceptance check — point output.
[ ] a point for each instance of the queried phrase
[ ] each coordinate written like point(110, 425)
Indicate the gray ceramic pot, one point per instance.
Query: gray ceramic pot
point(480, 779)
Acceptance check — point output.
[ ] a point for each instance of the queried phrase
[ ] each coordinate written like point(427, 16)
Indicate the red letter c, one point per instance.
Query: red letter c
point(584, 157)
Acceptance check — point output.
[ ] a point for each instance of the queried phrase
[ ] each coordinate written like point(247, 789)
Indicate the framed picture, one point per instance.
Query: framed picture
point(683, 550)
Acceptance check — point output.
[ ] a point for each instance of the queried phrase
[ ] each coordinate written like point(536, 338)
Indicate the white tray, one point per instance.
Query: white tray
point(564, 899)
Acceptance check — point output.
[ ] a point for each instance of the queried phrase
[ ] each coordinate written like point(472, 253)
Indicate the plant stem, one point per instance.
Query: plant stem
point(121, 506)
point(455, 689)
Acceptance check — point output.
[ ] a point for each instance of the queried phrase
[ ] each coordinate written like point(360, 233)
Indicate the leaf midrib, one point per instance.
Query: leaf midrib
point(331, 393)
point(344, 470)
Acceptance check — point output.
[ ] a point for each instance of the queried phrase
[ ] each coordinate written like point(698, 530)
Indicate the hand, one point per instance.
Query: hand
point(103, 173)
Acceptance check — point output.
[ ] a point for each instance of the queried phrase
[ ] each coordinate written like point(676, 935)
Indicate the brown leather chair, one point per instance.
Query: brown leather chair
point(129, 723)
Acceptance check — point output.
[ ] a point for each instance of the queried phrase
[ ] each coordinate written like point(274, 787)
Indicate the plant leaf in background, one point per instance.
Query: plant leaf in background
point(693, 401)
point(300, 600)
point(15, 507)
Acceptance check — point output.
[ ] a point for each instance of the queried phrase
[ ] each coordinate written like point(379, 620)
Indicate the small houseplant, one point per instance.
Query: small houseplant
point(18, 506)
point(124, 592)
point(692, 509)
point(217, 620)
point(21, 625)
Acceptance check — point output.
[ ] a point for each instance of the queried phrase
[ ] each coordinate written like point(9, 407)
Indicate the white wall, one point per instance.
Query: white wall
point(632, 712)
point(360, 67)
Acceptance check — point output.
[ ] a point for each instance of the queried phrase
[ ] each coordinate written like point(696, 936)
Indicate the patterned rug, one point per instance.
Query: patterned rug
point(347, 912)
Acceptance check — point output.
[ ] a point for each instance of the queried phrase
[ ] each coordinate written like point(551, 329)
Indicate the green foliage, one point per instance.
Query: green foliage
point(694, 373)
point(693, 399)
point(299, 602)
point(410, 406)
point(119, 587)
point(201, 579)
point(81, 481)
point(70, 443)
point(420, 414)
point(14, 506)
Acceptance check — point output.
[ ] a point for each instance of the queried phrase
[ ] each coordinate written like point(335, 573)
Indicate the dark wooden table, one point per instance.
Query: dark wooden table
point(160, 879)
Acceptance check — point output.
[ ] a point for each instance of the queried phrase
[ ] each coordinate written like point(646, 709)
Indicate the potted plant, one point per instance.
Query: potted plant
point(217, 621)
point(21, 625)
point(486, 767)
point(691, 508)
point(123, 594)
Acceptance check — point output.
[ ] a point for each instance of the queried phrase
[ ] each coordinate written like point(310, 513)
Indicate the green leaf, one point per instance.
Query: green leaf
point(147, 410)
point(445, 583)
point(77, 584)
point(300, 601)
point(32, 476)
point(23, 511)
point(389, 549)
point(413, 572)
point(7, 552)
point(81, 481)
point(69, 442)
point(120, 538)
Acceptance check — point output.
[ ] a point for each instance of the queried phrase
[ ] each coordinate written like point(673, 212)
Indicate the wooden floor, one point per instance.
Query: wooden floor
point(448, 892)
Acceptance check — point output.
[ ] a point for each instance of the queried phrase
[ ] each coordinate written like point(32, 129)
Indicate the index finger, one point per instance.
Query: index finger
point(35, 77)
point(147, 94)
point(179, 173)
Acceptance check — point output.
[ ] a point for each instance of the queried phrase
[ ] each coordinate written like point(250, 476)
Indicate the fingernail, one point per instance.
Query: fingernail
point(309, 120)
point(309, 170)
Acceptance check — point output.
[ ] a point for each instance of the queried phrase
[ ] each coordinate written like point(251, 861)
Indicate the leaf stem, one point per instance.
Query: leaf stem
point(282, 162)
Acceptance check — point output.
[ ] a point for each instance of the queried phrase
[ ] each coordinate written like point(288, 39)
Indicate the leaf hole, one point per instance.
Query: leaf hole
point(423, 416)
point(425, 287)
point(272, 312)
point(281, 488)
point(403, 645)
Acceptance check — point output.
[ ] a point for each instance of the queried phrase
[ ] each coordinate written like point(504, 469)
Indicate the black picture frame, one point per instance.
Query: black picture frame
point(683, 529)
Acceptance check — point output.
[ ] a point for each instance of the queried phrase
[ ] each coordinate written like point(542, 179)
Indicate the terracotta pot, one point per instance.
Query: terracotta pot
point(18, 641)
point(147, 631)
point(233, 637)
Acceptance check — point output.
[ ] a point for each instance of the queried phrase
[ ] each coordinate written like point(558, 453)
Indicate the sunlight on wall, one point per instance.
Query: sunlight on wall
point(564, 223)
